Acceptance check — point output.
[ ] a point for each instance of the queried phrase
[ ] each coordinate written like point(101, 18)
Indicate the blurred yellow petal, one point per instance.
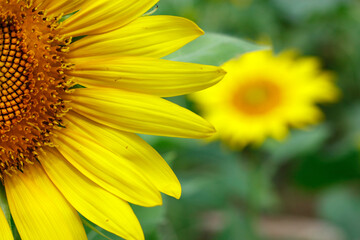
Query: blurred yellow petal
point(150, 36)
point(92, 201)
point(107, 169)
point(100, 16)
point(5, 231)
point(134, 112)
point(39, 210)
point(132, 149)
point(146, 75)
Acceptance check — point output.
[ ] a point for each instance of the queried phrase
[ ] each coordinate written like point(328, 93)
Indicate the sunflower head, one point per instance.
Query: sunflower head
point(263, 94)
point(64, 149)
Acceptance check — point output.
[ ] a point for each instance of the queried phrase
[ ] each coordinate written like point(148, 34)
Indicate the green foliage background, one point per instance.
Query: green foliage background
point(313, 175)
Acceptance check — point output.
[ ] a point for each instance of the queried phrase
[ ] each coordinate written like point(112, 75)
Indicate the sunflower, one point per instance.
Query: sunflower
point(78, 79)
point(263, 94)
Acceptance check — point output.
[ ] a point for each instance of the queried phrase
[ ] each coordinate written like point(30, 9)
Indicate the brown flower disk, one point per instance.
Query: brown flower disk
point(32, 81)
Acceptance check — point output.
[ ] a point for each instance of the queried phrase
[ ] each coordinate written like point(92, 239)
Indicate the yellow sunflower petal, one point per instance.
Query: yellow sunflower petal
point(107, 169)
point(100, 16)
point(93, 202)
point(58, 7)
point(39, 210)
point(151, 36)
point(132, 149)
point(146, 75)
point(5, 231)
point(135, 112)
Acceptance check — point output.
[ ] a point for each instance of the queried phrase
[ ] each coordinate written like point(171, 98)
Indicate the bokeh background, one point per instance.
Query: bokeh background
point(305, 188)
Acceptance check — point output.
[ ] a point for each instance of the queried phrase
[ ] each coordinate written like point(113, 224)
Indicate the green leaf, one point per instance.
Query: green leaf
point(299, 142)
point(76, 86)
point(214, 49)
point(321, 170)
point(5, 208)
point(15, 232)
point(63, 18)
point(306, 8)
point(4, 204)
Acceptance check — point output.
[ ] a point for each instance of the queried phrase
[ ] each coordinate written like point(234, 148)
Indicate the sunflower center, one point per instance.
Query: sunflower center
point(14, 70)
point(32, 83)
point(257, 97)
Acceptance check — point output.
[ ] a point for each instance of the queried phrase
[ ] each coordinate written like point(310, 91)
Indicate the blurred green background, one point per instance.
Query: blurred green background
point(306, 188)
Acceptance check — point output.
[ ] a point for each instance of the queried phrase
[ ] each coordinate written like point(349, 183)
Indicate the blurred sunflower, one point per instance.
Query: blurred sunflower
point(263, 94)
point(66, 149)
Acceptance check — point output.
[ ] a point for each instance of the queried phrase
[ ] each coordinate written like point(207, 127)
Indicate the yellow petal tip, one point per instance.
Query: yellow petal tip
point(209, 131)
